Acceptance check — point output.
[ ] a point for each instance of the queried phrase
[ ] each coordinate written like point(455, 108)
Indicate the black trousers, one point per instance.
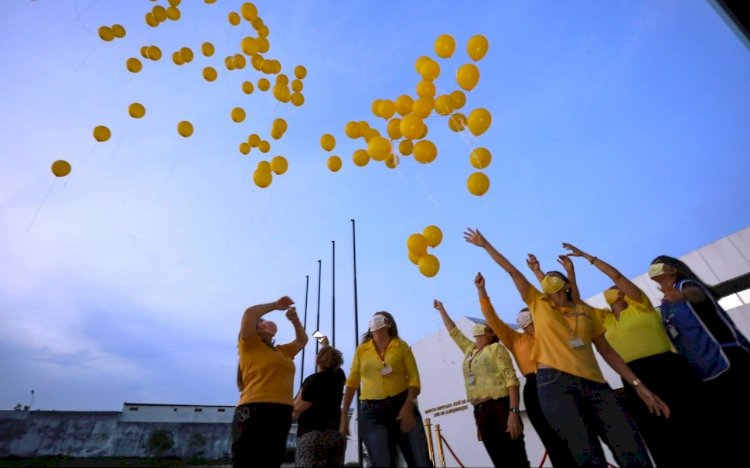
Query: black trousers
point(259, 434)
point(492, 421)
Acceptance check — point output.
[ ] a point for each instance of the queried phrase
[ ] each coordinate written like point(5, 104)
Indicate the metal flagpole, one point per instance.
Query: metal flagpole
point(356, 334)
point(317, 324)
point(333, 296)
point(304, 325)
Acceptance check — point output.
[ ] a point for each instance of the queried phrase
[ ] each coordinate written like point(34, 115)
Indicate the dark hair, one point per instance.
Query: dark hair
point(682, 271)
point(490, 332)
point(389, 320)
point(568, 293)
point(329, 358)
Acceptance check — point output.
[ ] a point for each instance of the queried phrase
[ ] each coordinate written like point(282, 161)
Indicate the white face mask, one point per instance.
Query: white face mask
point(377, 322)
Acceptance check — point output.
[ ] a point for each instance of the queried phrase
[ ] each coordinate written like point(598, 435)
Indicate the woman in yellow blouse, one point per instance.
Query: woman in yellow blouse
point(385, 369)
point(492, 388)
point(635, 330)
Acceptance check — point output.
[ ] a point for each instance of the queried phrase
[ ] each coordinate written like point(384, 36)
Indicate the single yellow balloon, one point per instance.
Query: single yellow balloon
point(429, 265)
point(209, 74)
point(136, 110)
point(249, 11)
point(445, 45)
point(379, 148)
point(160, 13)
point(478, 184)
point(412, 126)
point(433, 235)
point(102, 133)
point(405, 147)
point(467, 76)
point(404, 104)
point(479, 121)
point(334, 163)
point(279, 125)
point(187, 54)
point(360, 157)
point(394, 132)
point(281, 93)
point(263, 166)
point(327, 142)
point(233, 18)
point(352, 130)
point(185, 128)
point(151, 21)
point(133, 65)
point(262, 178)
point(250, 45)
point(177, 58)
point(173, 13)
point(430, 70)
point(417, 244)
point(297, 85)
point(480, 158)
point(457, 122)
point(244, 147)
point(426, 89)
point(247, 87)
point(387, 108)
point(369, 133)
point(263, 84)
point(238, 114)
point(477, 47)
point(118, 30)
point(239, 61)
point(279, 165)
point(264, 146)
point(425, 151)
point(207, 49)
point(423, 107)
point(144, 51)
point(444, 104)
point(300, 72)
point(229, 62)
point(106, 33)
point(154, 52)
point(420, 62)
point(391, 161)
point(61, 168)
point(281, 78)
point(459, 98)
point(253, 140)
point(297, 99)
point(413, 257)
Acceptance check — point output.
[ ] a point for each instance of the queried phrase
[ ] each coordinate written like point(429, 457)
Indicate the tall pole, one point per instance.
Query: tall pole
point(317, 324)
point(333, 296)
point(304, 325)
point(356, 335)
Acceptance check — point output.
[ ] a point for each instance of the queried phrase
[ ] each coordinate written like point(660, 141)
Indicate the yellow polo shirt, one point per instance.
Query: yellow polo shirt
point(638, 333)
point(367, 369)
point(267, 373)
point(487, 373)
point(555, 326)
point(518, 343)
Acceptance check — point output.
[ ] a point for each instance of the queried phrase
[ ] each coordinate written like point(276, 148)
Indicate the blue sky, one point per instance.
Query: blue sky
point(617, 126)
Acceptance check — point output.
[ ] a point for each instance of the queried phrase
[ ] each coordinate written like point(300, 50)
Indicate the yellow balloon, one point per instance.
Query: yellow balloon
point(234, 18)
point(433, 235)
point(457, 122)
point(369, 133)
point(423, 107)
point(250, 45)
point(61, 168)
point(281, 78)
point(209, 74)
point(151, 20)
point(467, 76)
point(106, 33)
point(244, 147)
point(426, 89)
point(229, 62)
point(429, 265)
point(444, 104)
point(429, 70)
point(134, 65)
point(360, 157)
point(327, 142)
point(207, 49)
point(177, 58)
point(297, 99)
point(391, 162)
point(238, 114)
point(187, 54)
point(280, 125)
point(160, 13)
point(281, 93)
point(417, 244)
point(404, 104)
point(375, 107)
point(405, 147)
point(102, 133)
point(334, 163)
point(479, 121)
point(352, 129)
point(379, 148)
point(263, 33)
point(394, 132)
point(420, 62)
point(118, 30)
point(478, 184)
point(297, 85)
point(173, 13)
point(425, 151)
point(263, 84)
point(239, 61)
point(264, 166)
point(249, 11)
point(387, 108)
point(136, 110)
point(279, 165)
point(154, 52)
point(185, 128)
point(264, 146)
point(445, 45)
point(300, 72)
point(480, 157)
point(247, 87)
point(144, 51)
point(412, 126)
point(459, 98)
point(413, 257)
point(253, 140)
point(477, 47)
point(262, 178)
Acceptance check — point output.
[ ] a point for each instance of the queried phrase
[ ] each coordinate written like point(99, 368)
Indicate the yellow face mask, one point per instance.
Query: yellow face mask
point(611, 295)
point(551, 284)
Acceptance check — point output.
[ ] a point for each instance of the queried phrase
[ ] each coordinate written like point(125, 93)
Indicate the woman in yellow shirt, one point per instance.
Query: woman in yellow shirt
point(571, 388)
point(492, 388)
point(389, 420)
point(265, 378)
point(635, 331)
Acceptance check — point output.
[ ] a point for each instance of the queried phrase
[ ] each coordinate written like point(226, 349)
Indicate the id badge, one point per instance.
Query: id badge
point(673, 332)
point(386, 370)
point(576, 343)
point(471, 379)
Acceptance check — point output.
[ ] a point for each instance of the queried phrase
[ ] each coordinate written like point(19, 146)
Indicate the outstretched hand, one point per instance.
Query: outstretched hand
point(438, 305)
point(479, 281)
point(284, 302)
point(533, 263)
point(291, 314)
point(574, 251)
point(566, 263)
point(473, 236)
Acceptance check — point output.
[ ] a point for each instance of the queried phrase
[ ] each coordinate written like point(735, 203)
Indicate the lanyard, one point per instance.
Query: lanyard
point(382, 356)
point(474, 355)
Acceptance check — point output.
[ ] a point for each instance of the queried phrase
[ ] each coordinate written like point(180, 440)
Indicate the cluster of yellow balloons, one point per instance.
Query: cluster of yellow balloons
point(406, 116)
point(250, 51)
point(417, 245)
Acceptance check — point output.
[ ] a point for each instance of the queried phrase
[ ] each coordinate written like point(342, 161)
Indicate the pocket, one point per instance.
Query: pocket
point(546, 377)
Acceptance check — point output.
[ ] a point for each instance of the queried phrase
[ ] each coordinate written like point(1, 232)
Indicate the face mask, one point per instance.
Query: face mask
point(611, 296)
point(523, 319)
point(551, 284)
point(377, 322)
point(656, 269)
point(268, 327)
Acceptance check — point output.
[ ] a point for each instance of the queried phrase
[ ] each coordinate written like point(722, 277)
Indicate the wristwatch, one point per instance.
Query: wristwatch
point(514, 409)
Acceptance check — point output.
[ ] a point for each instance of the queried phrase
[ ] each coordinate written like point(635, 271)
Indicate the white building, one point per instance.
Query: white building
point(725, 262)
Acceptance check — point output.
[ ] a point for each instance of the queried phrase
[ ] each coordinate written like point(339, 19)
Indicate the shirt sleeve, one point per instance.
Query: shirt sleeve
point(505, 366)
point(532, 294)
point(412, 373)
point(506, 334)
point(464, 344)
point(354, 377)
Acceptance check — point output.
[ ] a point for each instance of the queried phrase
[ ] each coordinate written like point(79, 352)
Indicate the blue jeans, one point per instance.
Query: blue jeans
point(571, 404)
point(381, 433)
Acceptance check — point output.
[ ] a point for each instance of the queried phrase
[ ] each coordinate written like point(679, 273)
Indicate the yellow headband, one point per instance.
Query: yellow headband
point(551, 284)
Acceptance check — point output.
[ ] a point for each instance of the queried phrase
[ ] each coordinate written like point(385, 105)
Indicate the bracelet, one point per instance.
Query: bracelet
point(636, 382)
point(593, 259)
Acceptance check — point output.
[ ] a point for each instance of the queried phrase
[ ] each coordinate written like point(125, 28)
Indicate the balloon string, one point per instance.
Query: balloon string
point(39, 208)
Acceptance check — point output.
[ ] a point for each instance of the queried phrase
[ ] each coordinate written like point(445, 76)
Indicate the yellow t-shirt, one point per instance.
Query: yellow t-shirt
point(638, 333)
point(487, 373)
point(518, 343)
point(555, 327)
point(267, 373)
point(367, 370)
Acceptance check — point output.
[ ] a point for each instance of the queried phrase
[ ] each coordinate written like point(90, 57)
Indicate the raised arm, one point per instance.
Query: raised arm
point(623, 284)
point(570, 270)
point(447, 321)
point(473, 236)
point(300, 335)
point(506, 334)
point(252, 314)
point(535, 267)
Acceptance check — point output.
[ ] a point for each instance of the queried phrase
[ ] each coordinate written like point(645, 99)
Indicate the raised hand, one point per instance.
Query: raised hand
point(566, 263)
point(473, 236)
point(533, 263)
point(438, 305)
point(574, 251)
point(479, 281)
point(284, 302)
point(291, 314)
